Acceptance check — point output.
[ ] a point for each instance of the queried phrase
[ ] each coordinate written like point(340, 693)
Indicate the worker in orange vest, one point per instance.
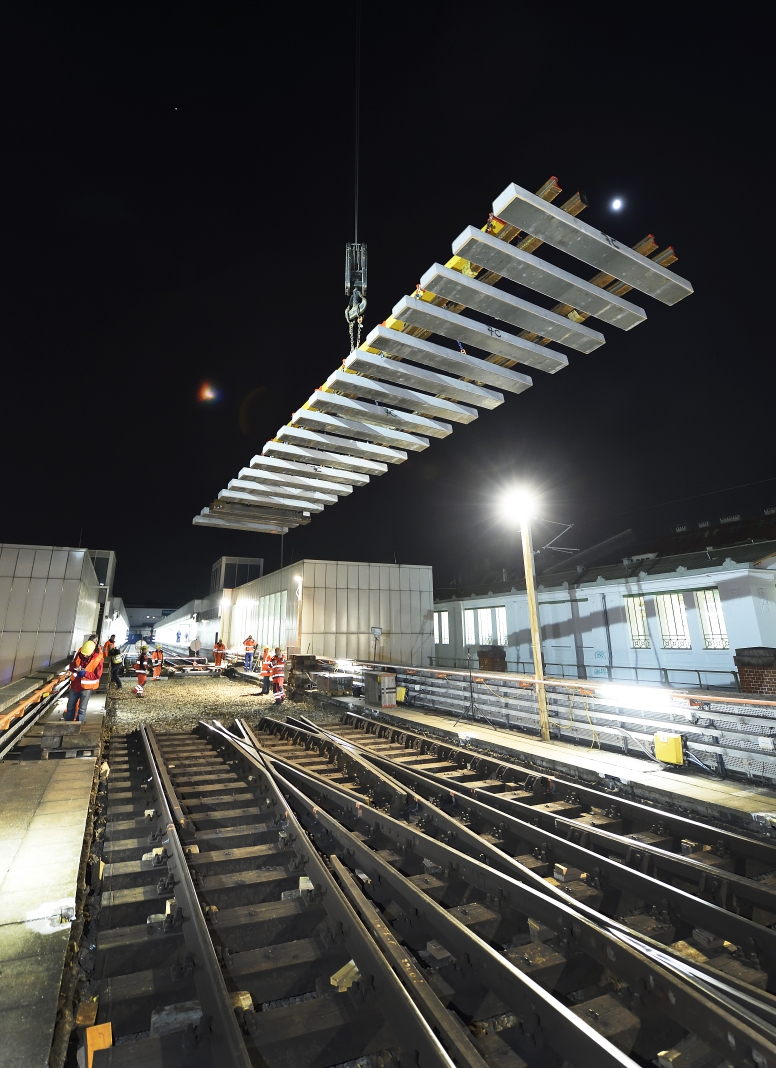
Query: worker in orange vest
point(218, 652)
point(266, 669)
point(157, 658)
point(109, 646)
point(278, 668)
point(141, 668)
point(250, 648)
point(85, 672)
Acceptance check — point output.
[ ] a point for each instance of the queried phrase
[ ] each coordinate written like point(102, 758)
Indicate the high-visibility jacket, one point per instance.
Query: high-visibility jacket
point(92, 668)
point(158, 657)
point(278, 667)
point(249, 644)
point(266, 664)
point(219, 647)
point(108, 648)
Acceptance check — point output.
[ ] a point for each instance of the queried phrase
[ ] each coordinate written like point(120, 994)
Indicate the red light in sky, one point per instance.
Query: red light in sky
point(207, 393)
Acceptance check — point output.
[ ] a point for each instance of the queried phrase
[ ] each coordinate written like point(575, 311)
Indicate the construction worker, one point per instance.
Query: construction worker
point(266, 668)
point(109, 646)
point(116, 660)
point(157, 659)
point(250, 648)
point(141, 668)
point(218, 652)
point(85, 672)
point(278, 668)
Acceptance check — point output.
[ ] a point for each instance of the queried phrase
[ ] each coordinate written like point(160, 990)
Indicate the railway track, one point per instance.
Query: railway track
point(15, 723)
point(280, 900)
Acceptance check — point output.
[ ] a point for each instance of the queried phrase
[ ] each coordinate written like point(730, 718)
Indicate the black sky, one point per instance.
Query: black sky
point(178, 190)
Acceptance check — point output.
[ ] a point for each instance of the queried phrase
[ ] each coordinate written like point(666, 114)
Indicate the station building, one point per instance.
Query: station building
point(675, 618)
point(341, 609)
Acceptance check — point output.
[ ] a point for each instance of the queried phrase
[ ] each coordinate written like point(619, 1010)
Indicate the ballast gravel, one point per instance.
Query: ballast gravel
point(177, 704)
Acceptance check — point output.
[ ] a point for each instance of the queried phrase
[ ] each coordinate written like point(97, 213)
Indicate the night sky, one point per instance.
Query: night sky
point(178, 191)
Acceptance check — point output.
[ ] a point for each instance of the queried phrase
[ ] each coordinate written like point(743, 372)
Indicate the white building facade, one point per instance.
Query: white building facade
point(680, 627)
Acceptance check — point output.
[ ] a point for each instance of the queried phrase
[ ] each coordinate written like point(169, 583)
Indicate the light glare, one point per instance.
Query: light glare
point(518, 504)
point(616, 204)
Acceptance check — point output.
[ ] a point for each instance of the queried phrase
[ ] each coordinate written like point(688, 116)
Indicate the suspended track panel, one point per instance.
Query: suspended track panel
point(380, 367)
point(362, 449)
point(536, 216)
point(385, 394)
point(487, 251)
point(332, 424)
point(339, 461)
point(453, 285)
point(334, 404)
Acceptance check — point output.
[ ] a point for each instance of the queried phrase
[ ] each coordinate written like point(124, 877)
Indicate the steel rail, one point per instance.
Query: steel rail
point(530, 825)
point(730, 1035)
point(742, 1022)
point(227, 1042)
point(679, 827)
point(542, 1014)
point(633, 882)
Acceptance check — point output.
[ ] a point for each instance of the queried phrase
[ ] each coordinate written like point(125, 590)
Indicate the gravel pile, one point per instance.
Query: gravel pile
point(177, 704)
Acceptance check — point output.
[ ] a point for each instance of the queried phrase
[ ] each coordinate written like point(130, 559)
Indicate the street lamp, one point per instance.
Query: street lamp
point(519, 505)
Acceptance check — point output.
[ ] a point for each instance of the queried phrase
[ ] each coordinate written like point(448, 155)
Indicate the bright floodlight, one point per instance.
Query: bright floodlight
point(518, 504)
point(616, 204)
point(297, 578)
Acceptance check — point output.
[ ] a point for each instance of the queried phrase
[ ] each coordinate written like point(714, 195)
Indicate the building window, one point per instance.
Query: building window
point(637, 622)
point(673, 621)
point(468, 627)
point(485, 625)
point(712, 620)
point(501, 626)
point(441, 628)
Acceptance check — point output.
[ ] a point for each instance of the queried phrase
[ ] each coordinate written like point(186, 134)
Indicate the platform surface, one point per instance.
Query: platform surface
point(44, 806)
point(729, 800)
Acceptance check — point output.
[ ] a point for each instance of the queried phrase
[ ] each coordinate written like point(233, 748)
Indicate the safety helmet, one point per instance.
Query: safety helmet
point(88, 648)
point(158, 646)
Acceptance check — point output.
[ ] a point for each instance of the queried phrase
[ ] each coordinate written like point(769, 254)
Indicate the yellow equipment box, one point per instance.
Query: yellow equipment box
point(401, 694)
point(668, 748)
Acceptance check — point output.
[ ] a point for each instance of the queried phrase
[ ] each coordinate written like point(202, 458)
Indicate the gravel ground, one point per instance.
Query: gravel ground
point(177, 704)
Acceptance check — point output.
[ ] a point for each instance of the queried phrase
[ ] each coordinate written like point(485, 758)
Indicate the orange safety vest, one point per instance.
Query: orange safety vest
point(266, 664)
point(108, 648)
point(278, 667)
point(249, 644)
point(157, 656)
point(92, 666)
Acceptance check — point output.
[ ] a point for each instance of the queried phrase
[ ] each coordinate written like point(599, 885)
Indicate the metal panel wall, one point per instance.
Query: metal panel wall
point(43, 615)
point(341, 602)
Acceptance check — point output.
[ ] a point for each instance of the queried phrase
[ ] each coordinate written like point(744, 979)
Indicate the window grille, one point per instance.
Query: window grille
point(485, 625)
point(637, 622)
point(673, 621)
point(444, 627)
point(712, 620)
point(436, 628)
point(501, 626)
point(468, 627)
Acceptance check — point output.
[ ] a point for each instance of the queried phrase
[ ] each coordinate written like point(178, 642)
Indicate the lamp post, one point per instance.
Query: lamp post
point(519, 504)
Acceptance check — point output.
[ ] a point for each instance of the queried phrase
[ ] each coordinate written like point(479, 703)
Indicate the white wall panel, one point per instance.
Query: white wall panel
point(414, 579)
point(62, 646)
point(319, 616)
point(8, 558)
point(395, 603)
point(5, 593)
point(405, 625)
point(24, 654)
point(50, 610)
point(43, 646)
point(374, 576)
point(404, 578)
point(75, 563)
point(8, 644)
point(68, 605)
point(395, 578)
point(352, 576)
point(341, 646)
point(352, 610)
point(330, 619)
point(342, 610)
point(342, 576)
point(16, 603)
point(416, 618)
point(374, 609)
point(307, 613)
point(363, 576)
point(33, 605)
point(331, 576)
point(42, 563)
point(385, 578)
point(363, 622)
point(58, 563)
point(320, 575)
point(328, 645)
point(24, 563)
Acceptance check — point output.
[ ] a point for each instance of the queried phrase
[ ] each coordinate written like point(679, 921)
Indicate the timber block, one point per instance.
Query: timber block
point(543, 963)
point(87, 739)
